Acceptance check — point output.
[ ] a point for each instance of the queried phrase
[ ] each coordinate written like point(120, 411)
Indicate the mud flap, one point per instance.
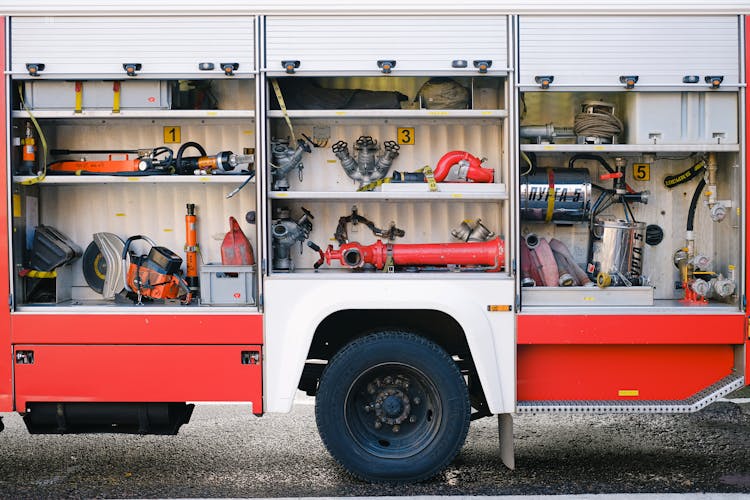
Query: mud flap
point(505, 431)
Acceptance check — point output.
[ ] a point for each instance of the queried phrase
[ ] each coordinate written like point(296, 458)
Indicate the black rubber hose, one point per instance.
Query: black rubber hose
point(694, 203)
point(178, 159)
point(585, 156)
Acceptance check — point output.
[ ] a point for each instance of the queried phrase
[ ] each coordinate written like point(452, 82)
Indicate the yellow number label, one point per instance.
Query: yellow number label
point(406, 135)
point(642, 171)
point(172, 135)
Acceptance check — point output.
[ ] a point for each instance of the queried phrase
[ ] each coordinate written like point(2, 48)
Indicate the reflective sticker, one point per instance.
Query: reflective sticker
point(16, 205)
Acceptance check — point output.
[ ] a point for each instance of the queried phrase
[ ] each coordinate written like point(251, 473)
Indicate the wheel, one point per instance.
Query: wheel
point(392, 407)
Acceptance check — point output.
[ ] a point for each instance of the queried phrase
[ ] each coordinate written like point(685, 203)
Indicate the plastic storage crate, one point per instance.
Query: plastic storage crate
point(227, 285)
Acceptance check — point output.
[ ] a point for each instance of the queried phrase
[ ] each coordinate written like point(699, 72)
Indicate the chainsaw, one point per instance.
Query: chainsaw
point(155, 275)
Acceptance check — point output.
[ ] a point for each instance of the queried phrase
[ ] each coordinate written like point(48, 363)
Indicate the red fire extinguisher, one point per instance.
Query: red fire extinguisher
point(28, 150)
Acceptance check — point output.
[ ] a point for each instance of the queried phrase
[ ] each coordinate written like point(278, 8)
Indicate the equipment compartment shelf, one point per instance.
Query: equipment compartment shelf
point(141, 113)
point(498, 193)
point(628, 148)
point(393, 113)
point(150, 179)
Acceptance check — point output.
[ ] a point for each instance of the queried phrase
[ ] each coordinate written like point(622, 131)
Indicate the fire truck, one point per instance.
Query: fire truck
point(421, 213)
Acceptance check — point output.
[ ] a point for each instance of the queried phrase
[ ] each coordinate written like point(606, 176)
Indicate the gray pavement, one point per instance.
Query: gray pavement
point(227, 452)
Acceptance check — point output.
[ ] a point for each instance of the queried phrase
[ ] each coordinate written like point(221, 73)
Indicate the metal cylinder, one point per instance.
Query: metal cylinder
point(569, 190)
point(617, 248)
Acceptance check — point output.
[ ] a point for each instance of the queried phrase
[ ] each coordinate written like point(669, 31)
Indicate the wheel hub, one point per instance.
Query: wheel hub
point(392, 406)
point(391, 403)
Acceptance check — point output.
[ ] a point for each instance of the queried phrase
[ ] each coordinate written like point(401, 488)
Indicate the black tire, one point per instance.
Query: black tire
point(392, 407)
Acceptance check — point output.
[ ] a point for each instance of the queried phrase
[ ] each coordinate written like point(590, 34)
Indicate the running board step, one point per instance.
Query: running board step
point(692, 404)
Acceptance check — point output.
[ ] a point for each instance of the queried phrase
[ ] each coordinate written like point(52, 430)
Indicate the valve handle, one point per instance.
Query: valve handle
point(316, 248)
point(614, 175)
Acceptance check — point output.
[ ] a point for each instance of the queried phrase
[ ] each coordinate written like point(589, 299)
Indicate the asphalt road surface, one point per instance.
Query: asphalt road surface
point(227, 452)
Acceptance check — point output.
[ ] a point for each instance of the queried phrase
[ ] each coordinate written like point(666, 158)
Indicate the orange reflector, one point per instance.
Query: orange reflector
point(499, 308)
point(628, 393)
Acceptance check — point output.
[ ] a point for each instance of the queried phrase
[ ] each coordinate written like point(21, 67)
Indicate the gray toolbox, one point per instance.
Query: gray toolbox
point(95, 94)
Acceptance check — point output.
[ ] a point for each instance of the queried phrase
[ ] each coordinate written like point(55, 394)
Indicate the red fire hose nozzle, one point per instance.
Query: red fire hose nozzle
point(474, 172)
point(489, 253)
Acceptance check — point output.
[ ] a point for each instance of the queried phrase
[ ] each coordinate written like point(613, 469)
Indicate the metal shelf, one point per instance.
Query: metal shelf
point(496, 193)
point(392, 113)
point(152, 179)
point(137, 113)
point(629, 148)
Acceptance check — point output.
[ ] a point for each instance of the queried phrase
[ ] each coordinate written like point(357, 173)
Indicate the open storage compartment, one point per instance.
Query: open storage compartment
point(367, 149)
point(638, 192)
point(127, 158)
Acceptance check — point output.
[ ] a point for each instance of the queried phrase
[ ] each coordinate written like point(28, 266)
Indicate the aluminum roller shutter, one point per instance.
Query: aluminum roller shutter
point(90, 47)
point(597, 50)
point(417, 44)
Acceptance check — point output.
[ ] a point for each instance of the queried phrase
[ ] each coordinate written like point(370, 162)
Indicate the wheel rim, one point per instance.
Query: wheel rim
point(393, 410)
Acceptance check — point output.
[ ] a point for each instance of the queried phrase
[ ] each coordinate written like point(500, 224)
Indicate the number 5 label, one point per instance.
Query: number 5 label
point(642, 171)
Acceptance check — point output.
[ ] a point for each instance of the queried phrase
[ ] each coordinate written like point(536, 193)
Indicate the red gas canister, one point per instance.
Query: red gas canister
point(236, 249)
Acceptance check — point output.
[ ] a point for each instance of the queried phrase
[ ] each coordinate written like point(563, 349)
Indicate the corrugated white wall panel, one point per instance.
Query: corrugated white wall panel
point(596, 50)
point(667, 208)
point(99, 46)
point(323, 171)
point(154, 210)
point(297, 7)
point(423, 43)
point(422, 221)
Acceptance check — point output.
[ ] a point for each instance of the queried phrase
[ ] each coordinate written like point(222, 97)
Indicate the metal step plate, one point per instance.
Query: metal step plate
point(690, 405)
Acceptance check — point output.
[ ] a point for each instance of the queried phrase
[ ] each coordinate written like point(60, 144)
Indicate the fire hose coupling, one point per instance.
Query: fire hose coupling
point(472, 231)
point(460, 166)
point(489, 255)
point(370, 162)
point(286, 159)
point(286, 232)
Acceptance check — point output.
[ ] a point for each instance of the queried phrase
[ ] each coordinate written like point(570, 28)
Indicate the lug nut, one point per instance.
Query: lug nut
point(412, 419)
point(396, 428)
point(378, 425)
point(417, 400)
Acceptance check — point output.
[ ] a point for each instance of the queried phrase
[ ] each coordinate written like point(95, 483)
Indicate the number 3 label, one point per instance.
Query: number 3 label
point(406, 135)
point(642, 171)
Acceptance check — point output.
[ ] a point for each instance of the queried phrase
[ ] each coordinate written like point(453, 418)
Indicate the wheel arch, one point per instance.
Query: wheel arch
point(315, 317)
point(340, 328)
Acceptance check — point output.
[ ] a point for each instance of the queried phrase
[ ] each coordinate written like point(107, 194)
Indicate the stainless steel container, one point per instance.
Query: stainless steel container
point(569, 188)
point(617, 249)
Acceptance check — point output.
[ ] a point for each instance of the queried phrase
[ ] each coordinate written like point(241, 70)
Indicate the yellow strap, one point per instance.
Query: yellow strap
point(79, 96)
point(282, 105)
point(40, 274)
point(389, 264)
point(116, 97)
point(550, 195)
point(42, 140)
point(375, 184)
point(429, 176)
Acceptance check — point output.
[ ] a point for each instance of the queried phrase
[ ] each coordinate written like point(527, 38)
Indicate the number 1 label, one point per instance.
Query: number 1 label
point(172, 135)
